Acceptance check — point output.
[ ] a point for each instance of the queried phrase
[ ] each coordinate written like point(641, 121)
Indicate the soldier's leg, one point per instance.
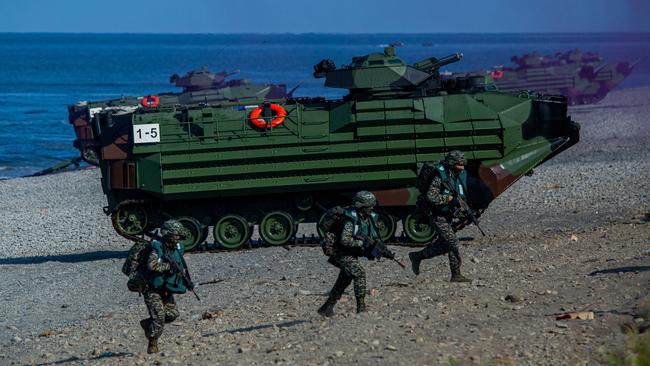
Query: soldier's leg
point(171, 312)
point(448, 235)
point(342, 282)
point(437, 247)
point(354, 269)
point(153, 327)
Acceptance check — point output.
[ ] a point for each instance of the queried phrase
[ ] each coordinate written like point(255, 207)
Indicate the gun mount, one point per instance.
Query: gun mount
point(385, 75)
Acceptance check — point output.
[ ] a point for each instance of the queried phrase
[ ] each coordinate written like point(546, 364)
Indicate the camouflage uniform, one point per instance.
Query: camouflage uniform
point(441, 211)
point(160, 302)
point(163, 283)
point(347, 252)
point(351, 268)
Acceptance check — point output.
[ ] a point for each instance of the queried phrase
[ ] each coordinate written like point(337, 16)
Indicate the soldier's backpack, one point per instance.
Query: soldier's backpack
point(331, 226)
point(135, 266)
point(425, 176)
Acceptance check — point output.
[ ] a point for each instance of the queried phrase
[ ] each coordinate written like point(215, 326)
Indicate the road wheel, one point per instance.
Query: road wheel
point(418, 227)
point(277, 228)
point(231, 231)
point(131, 219)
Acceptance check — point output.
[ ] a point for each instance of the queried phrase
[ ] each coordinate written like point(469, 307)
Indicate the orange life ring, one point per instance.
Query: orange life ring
point(496, 74)
point(280, 114)
point(150, 101)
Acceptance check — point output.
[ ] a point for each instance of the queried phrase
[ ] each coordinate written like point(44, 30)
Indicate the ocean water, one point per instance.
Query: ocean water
point(40, 74)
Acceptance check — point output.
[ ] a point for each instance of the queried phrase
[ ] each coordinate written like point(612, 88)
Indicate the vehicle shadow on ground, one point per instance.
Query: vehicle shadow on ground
point(67, 258)
point(621, 270)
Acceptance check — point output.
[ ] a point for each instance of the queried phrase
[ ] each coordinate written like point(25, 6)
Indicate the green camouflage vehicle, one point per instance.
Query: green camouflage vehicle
point(231, 166)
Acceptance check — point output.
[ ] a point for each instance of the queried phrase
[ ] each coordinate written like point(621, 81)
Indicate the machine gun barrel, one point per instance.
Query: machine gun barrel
point(448, 60)
point(433, 63)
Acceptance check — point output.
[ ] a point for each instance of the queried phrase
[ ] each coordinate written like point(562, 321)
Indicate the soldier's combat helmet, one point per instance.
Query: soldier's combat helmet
point(364, 199)
point(455, 157)
point(170, 227)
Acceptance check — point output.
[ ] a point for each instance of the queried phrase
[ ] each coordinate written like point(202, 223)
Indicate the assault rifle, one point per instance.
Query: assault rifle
point(185, 275)
point(464, 207)
point(377, 249)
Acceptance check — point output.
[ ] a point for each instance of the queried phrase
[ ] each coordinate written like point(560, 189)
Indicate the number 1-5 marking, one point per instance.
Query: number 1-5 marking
point(146, 133)
point(152, 132)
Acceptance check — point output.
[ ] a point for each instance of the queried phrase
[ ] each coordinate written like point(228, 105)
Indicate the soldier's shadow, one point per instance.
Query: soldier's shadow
point(621, 270)
point(67, 258)
point(286, 324)
point(81, 360)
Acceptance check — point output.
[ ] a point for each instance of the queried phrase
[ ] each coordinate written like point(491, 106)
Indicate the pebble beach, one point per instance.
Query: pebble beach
point(574, 236)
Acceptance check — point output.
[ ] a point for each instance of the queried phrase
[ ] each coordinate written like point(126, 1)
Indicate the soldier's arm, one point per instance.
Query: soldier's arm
point(434, 195)
point(347, 236)
point(156, 264)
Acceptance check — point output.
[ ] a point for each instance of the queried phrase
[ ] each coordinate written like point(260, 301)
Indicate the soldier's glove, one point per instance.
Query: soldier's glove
point(375, 253)
point(190, 286)
point(389, 254)
point(380, 250)
point(368, 242)
point(371, 243)
point(454, 203)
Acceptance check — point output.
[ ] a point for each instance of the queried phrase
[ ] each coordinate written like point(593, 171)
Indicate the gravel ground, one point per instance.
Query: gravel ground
point(574, 236)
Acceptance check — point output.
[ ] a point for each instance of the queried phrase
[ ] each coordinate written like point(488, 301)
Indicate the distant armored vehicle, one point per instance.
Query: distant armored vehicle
point(204, 79)
point(583, 78)
point(202, 86)
point(277, 163)
point(199, 87)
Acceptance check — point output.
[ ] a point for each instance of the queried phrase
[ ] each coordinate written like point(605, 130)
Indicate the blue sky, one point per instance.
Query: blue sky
point(324, 16)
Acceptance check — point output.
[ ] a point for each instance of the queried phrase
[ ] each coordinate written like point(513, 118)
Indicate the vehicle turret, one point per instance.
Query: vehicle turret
point(203, 79)
point(384, 75)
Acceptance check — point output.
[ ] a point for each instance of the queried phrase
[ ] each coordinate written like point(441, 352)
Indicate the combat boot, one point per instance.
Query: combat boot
point(460, 278)
point(153, 346)
point(327, 309)
point(415, 262)
point(457, 277)
point(361, 305)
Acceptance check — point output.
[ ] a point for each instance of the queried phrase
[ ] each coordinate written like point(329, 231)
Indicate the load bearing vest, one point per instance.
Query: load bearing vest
point(371, 225)
point(459, 184)
point(169, 281)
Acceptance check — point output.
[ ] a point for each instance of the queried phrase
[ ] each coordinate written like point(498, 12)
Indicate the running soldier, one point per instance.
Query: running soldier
point(440, 203)
point(358, 238)
point(167, 275)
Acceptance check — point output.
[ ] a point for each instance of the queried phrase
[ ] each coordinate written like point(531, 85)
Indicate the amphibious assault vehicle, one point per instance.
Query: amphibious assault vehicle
point(276, 163)
point(584, 78)
point(199, 87)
